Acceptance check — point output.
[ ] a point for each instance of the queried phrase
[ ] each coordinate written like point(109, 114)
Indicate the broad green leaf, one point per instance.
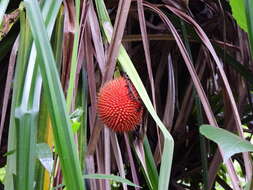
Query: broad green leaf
point(110, 177)
point(238, 12)
point(230, 143)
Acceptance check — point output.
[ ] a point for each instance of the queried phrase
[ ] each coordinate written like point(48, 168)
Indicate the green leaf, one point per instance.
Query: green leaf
point(63, 135)
point(76, 126)
point(2, 173)
point(238, 12)
point(76, 118)
point(9, 152)
point(150, 162)
point(110, 177)
point(249, 15)
point(74, 61)
point(105, 177)
point(25, 112)
point(228, 142)
point(45, 156)
point(242, 11)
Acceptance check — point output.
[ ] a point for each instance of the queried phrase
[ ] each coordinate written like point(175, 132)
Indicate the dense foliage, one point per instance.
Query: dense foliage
point(189, 61)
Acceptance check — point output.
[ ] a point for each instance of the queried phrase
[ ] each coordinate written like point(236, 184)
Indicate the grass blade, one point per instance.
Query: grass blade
point(110, 177)
point(249, 17)
point(151, 167)
point(22, 60)
point(74, 61)
point(63, 135)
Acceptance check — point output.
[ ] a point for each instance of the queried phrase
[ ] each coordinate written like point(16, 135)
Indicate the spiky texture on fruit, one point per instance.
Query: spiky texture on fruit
point(119, 106)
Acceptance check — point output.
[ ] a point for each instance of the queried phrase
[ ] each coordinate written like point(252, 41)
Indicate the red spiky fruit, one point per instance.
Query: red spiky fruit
point(119, 106)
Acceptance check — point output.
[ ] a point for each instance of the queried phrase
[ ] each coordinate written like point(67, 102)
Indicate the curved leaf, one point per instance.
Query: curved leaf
point(230, 143)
